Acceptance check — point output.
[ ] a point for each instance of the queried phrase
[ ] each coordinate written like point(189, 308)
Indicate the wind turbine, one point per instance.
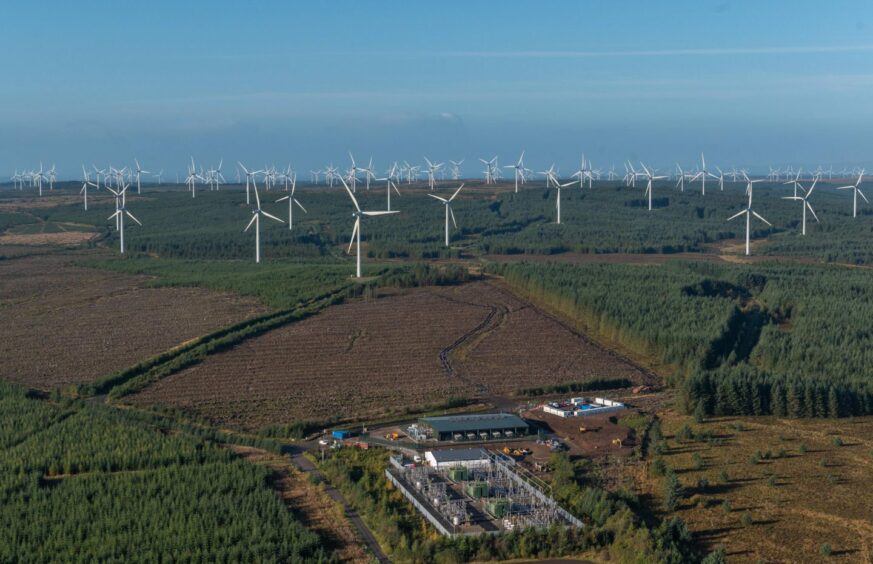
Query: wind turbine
point(353, 172)
point(250, 179)
point(702, 175)
point(856, 190)
point(518, 169)
point(121, 211)
point(390, 186)
point(558, 186)
point(192, 177)
point(431, 170)
point(456, 169)
point(356, 232)
point(139, 172)
point(749, 213)
point(291, 201)
point(86, 181)
point(795, 181)
point(159, 176)
point(256, 219)
point(448, 204)
point(805, 203)
point(649, 174)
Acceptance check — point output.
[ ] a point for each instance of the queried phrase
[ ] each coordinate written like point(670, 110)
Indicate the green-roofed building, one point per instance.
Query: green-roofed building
point(475, 427)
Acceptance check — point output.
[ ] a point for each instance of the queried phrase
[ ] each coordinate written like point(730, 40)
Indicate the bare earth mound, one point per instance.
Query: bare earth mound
point(407, 350)
point(64, 324)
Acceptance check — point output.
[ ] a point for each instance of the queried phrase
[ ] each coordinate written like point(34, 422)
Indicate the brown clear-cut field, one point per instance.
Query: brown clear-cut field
point(808, 492)
point(368, 359)
point(524, 347)
point(64, 324)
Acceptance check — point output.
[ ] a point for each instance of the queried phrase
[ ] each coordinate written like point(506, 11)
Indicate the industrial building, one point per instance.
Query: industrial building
point(577, 407)
point(471, 427)
point(466, 457)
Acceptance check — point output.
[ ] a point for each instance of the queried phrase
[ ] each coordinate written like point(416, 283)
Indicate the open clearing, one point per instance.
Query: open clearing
point(65, 324)
point(797, 500)
point(383, 357)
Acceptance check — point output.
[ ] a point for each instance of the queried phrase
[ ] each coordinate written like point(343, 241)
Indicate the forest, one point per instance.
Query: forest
point(608, 218)
point(82, 483)
point(765, 339)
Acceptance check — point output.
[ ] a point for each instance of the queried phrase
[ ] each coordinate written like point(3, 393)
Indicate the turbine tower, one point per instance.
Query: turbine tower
point(650, 176)
point(805, 203)
point(139, 172)
point(518, 169)
point(256, 219)
point(86, 181)
point(448, 204)
point(250, 179)
point(856, 191)
point(291, 201)
point(121, 211)
point(356, 232)
point(749, 213)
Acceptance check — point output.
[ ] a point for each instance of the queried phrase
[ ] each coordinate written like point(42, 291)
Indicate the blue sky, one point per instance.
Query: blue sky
point(749, 83)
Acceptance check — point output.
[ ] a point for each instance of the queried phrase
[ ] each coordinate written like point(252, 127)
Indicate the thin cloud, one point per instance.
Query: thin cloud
point(703, 52)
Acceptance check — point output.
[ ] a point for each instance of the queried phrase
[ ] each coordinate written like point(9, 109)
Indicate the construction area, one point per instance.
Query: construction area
point(472, 427)
point(475, 491)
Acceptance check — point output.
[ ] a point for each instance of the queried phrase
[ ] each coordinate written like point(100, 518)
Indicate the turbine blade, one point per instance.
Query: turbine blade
point(351, 195)
point(354, 232)
point(443, 200)
point(812, 211)
point(452, 213)
point(756, 214)
point(130, 215)
point(736, 215)
point(254, 217)
point(379, 212)
point(272, 217)
point(300, 205)
point(456, 192)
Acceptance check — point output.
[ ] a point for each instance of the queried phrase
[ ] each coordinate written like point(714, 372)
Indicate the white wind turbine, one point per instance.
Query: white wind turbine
point(856, 191)
point(256, 219)
point(121, 211)
point(191, 179)
point(159, 176)
point(456, 169)
point(650, 177)
point(356, 232)
point(805, 203)
point(353, 173)
point(139, 173)
point(702, 175)
point(291, 201)
point(250, 179)
point(749, 213)
point(448, 204)
point(558, 186)
point(518, 169)
point(86, 181)
point(389, 186)
point(795, 181)
point(431, 171)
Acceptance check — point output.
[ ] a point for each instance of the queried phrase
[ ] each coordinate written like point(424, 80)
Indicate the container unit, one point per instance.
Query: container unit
point(477, 490)
point(498, 508)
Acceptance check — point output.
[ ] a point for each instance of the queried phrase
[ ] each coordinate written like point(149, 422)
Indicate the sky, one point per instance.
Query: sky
point(749, 83)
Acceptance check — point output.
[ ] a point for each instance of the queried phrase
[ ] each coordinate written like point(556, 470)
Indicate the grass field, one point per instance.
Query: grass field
point(777, 489)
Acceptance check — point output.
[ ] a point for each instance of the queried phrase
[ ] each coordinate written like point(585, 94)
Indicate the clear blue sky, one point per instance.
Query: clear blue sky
point(750, 83)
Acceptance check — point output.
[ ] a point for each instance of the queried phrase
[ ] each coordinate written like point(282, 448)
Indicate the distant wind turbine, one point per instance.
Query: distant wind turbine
point(749, 213)
point(650, 177)
point(121, 211)
point(805, 203)
point(448, 204)
point(856, 191)
point(256, 219)
point(291, 201)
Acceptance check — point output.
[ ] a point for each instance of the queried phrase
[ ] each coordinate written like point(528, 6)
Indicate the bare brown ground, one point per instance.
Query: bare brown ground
point(817, 497)
point(61, 238)
point(64, 324)
point(309, 503)
point(371, 359)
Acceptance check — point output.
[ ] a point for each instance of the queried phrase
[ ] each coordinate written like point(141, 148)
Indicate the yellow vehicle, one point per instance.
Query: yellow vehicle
point(617, 442)
point(583, 429)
